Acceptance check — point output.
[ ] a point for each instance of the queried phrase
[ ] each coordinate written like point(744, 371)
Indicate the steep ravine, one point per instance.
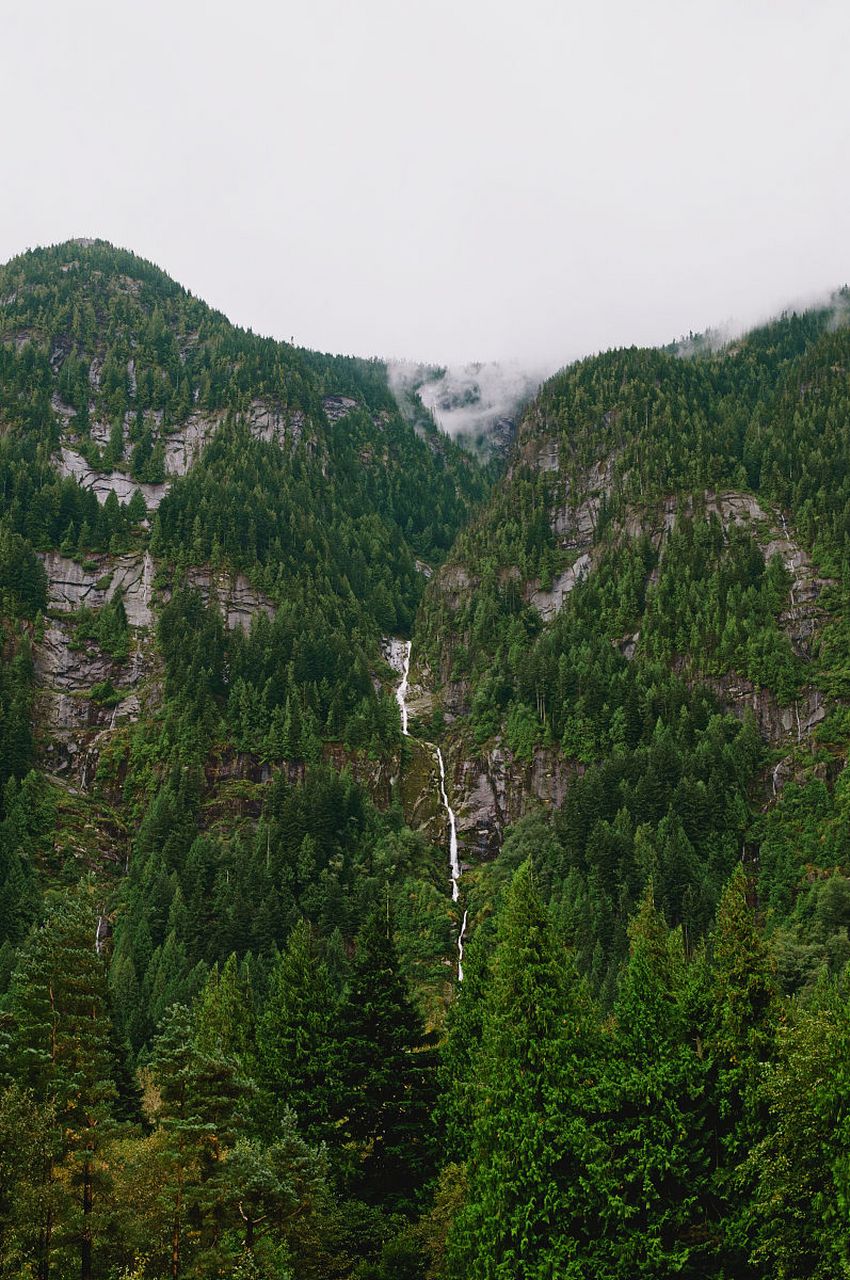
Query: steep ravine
point(399, 659)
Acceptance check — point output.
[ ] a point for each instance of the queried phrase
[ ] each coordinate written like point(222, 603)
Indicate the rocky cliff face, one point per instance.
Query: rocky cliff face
point(85, 695)
point(95, 582)
point(493, 789)
point(182, 446)
point(102, 483)
point(237, 600)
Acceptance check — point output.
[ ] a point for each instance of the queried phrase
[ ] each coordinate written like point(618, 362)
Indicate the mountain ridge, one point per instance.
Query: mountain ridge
point(296, 697)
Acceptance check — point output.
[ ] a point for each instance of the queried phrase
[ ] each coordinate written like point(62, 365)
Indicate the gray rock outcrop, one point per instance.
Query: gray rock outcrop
point(238, 600)
point(102, 483)
point(70, 585)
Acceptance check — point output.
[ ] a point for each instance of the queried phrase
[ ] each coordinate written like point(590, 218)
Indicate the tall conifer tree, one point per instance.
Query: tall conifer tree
point(298, 1036)
point(386, 1072)
point(744, 1022)
point(61, 1048)
point(532, 1170)
point(651, 1107)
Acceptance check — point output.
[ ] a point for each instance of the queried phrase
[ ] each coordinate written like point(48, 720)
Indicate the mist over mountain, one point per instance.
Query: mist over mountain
point(477, 404)
point(423, 799)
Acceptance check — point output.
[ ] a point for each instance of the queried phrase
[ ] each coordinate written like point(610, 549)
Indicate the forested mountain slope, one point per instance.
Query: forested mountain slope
point(646, 622)
point(137, 423)
point(232, 1038)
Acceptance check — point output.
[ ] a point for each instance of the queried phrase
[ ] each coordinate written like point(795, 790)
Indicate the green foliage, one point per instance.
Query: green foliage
point(798, 1168)
point(23, 582)
point(690, 1133)
point(532, 1154)
point(17, 680)
point(107, 627)
point(653, 1081)
point(622, 1090)
point(740, 1043)
point(61, 1049)
point(298, 1037)
point(386, 1073)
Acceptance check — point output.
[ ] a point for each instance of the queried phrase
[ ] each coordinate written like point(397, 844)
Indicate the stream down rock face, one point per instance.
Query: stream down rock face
point(491, 789)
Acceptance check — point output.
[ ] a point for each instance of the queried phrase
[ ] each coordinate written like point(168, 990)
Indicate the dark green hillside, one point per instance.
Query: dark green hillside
point(233, 1042)
point(204, 536)
point(112, 336)
point(152, 450)
point(668, 548)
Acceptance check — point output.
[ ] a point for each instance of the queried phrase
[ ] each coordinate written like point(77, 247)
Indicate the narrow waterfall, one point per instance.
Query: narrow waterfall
point(401, 691)
point(399, 659)
point(454, 865)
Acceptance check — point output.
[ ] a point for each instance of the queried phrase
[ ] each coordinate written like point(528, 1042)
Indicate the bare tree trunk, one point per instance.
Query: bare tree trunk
point(86, 1244)
point(175, 1232)
point(45, 1235)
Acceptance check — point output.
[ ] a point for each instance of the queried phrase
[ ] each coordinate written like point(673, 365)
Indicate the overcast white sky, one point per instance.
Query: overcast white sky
point(447, 179)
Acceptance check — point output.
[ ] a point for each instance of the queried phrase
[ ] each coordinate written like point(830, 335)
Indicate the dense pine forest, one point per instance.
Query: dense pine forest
point(234, 1041)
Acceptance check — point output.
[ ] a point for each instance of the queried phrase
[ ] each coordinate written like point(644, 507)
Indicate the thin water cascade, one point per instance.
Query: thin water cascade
point(454, 866)
point(399, 657)
point(401, 691)
point(460, 941)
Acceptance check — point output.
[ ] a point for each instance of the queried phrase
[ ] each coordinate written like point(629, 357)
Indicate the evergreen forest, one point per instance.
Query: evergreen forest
point(414, 866)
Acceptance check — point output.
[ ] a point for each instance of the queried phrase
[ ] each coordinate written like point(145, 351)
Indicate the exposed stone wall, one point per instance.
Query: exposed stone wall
point(183, 446)
point(238, 601)
point(70, 585)
point(76, 726)
point(491, 789)
point(102, 483)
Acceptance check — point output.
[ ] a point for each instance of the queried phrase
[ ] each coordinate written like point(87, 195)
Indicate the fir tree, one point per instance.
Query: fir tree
point(224, 1018)
point(741, 1040)
point(298, 1037)
point(385, 1072)
point(62, 1050)
point(651, 1104)
point(533, 1156)
point(795, 1176)
point(200, 1100)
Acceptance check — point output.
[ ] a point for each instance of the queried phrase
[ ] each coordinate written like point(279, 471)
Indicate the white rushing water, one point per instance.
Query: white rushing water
point(460, 938)
point(399, 659)
point(401, 649)
point(454, 865)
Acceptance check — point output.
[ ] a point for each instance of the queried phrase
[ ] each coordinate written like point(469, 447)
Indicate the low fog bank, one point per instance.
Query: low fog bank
point(470, 400)
point(719, 337)
point(481, 403)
